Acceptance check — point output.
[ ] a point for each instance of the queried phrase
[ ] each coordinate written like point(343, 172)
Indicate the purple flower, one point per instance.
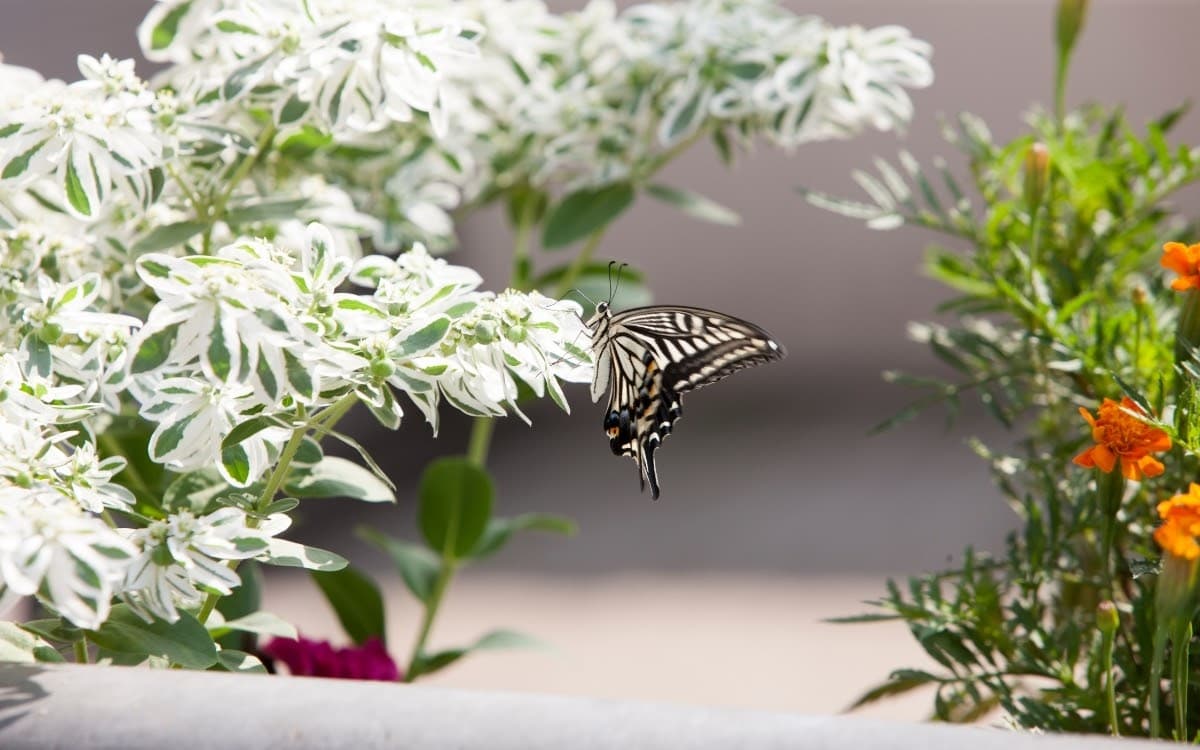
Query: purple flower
point(309, 658)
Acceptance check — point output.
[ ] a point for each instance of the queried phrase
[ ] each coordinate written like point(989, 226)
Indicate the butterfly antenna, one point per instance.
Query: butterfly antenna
point(613, 289)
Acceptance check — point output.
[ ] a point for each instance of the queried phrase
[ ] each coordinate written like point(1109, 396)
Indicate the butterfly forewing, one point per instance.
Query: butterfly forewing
point(649, 356)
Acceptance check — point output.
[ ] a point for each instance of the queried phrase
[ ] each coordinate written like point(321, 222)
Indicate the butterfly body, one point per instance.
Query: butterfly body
point(648, 357)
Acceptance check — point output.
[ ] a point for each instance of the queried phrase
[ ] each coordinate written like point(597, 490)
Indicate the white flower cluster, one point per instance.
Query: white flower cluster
point(352, 66)
point(78, 143)
point(255, 334)
point(175, 255)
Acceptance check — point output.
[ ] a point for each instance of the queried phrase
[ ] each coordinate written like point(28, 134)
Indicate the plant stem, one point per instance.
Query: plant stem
point(217, 209)
point(1155, 686)
point(579, 263)
point(130, 472)
point(81, 651)
point(326, 419)
point(1110, 489)
point(1060, 88)
point(522, 267)
point(1180, 646)
point(1035, 237)
point(445, 573)
point(1110, 694)
point(480, 440)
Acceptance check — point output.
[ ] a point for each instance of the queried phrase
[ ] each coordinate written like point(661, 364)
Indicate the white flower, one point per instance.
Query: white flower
point(187, 551)
point(49, 547)
point(93, 136)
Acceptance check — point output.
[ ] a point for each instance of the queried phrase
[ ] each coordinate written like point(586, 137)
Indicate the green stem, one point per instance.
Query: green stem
point(1110, 489)
point(324, 420)
point(1035, 241)
point(217, 211)
point(1180, 646)
point(522, 266)
point(480, 440)
point(81, 651)
point(1060, 88)
point(1110, 692)
point(445, 573)
point(130, 473)
point(579, 263)
point(1155, 686)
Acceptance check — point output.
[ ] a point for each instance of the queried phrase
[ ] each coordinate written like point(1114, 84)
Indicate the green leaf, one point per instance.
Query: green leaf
point(498, 530)
point(289, 554)
point(248, 429)
point(585, 211)
point(695, 205)
point(19, 163)
point(356, 601)
point(424, 338)
point(168, 236)
point(417, 565)
point(339, 477)
point(262, 623)
point(900, 681)
point(241, 77)
point(185, 642)
point(22, 646)
point(164, 33)
point(454, 507)
point(76, 195)
point(194, 491)
point(245, 600)
point(496, 639)
point(232, 660)
point(267, 210)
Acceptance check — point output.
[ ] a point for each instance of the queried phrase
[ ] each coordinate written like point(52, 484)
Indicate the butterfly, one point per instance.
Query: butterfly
point(648, 357)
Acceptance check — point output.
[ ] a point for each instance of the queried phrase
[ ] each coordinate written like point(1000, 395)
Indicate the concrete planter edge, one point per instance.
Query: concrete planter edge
point(73, 706)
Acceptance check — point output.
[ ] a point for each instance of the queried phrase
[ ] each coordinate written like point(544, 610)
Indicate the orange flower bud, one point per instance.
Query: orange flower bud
point(1037, 174)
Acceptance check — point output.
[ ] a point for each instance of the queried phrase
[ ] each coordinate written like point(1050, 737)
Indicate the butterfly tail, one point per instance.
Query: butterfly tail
point(649, 470)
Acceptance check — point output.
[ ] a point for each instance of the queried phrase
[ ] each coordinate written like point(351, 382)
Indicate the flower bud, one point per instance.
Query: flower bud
point(1071, 14)
point(1139, 295)
point(1037, 174)
point(1106, 617)
point(1175, 599)
point(485, 331)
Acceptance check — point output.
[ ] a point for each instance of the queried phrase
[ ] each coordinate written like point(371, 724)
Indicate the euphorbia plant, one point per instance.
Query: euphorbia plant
point(197, 281)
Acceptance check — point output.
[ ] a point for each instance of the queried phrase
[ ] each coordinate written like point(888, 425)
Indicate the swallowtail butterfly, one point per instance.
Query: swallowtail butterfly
point(648, 357)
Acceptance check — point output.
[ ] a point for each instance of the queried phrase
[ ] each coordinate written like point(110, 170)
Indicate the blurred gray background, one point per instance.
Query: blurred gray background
point(771, 476)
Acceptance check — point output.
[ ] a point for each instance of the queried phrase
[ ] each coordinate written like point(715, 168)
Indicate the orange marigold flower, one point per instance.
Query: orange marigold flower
point(1119, 434)
point(1181, 524)
point(1185, 261)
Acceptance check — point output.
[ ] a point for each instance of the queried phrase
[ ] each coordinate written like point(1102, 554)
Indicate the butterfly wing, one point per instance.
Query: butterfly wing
point(655, 354)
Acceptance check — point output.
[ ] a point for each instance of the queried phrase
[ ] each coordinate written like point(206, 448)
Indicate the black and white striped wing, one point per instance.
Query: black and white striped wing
point(650, 356)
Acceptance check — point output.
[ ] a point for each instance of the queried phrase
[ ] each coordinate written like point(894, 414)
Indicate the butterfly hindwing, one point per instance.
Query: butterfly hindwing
point(655, 354)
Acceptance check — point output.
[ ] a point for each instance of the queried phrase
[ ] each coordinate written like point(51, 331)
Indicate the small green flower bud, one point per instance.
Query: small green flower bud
point(50, 333)
point(485, 331)
point(1107, 618)
point(1037, 174)
point(517, 334)
point(1071, 14)
point(382, 369)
